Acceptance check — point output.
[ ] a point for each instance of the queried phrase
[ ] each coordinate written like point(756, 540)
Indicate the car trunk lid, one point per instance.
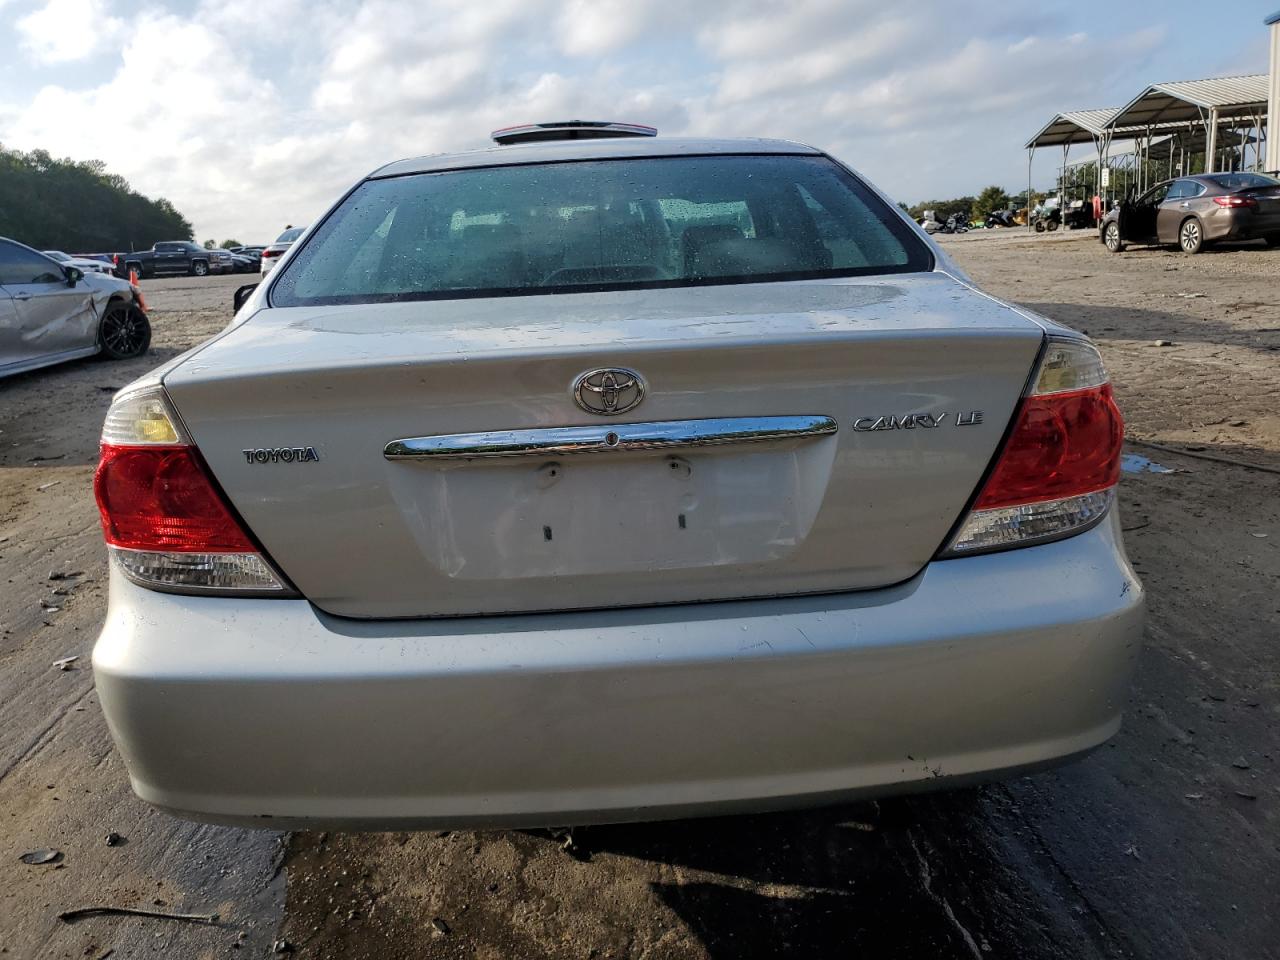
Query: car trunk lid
point(911, 381)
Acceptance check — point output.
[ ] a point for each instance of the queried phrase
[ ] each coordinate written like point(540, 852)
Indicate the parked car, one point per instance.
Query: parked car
point(221, 261)
point(242, 263)
point(1194, 211)
point(595, 480)
point(51, 312)
point(254, 253)
point(271, 254)
point(171, 257)
point(83, 264)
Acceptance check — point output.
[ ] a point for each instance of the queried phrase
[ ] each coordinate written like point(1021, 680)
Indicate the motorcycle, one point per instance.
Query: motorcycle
point(1000, 218)
point(956, 223)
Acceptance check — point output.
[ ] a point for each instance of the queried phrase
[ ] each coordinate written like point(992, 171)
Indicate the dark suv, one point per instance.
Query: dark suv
point(171, 257)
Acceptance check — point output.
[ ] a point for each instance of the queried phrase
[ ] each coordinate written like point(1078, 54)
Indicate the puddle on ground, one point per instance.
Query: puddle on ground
point(1136, 463)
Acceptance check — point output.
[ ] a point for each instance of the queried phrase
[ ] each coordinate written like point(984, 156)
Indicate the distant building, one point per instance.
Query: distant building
point(1273, 96)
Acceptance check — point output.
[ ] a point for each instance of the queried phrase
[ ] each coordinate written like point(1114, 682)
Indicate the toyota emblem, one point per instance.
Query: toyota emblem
point(609, 391)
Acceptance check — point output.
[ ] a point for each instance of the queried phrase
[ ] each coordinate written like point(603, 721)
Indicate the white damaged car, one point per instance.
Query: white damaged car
point(51, 312)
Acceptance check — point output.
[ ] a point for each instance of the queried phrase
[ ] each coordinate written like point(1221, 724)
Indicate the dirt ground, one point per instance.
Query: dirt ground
point(1163, 844)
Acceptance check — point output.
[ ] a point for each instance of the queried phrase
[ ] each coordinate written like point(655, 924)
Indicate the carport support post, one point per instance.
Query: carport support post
point(1062, 184)
point(1273, 97)
point(1031, 152)
point(1104, 161)
point(1211, 146)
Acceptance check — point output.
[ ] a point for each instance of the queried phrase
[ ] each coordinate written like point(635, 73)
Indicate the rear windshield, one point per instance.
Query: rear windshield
point(1243, 181)
point(593, 225)
point(290, 235)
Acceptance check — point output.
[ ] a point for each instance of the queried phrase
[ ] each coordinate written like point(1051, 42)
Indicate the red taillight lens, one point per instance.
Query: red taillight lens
point(1235, 201)
point(159, 498)
point(268, 254)
point(1062, 445)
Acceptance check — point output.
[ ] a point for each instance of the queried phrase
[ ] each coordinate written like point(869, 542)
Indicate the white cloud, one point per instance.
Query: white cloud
point(595, 27)
point(276, 116)
point(65, 30)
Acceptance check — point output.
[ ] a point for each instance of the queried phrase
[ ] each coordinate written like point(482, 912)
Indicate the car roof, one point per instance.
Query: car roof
point(553, 151)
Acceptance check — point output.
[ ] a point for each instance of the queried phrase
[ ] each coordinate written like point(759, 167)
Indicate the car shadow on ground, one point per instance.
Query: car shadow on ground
point(921, 876)
point(851, 878)
point(1104, 321)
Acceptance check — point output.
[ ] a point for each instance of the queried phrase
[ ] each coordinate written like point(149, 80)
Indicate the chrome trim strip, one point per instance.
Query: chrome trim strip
point(607, 438)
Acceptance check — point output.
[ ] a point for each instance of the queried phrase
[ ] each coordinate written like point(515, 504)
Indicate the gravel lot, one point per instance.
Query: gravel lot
point(1161, 845)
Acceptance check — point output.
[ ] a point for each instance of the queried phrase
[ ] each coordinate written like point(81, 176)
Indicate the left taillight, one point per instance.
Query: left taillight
point(166, 523)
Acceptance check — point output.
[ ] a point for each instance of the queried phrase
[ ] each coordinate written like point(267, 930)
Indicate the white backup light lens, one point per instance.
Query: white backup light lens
point(1029, 523)
point(199, 572)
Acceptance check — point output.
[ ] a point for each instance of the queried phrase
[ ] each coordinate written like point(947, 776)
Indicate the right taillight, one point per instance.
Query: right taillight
point(1057, 471)
point(166, 523)
point(1235, 200)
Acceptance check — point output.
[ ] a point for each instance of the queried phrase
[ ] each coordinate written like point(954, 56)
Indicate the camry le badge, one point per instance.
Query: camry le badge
point(609, 391)
point(911, 421)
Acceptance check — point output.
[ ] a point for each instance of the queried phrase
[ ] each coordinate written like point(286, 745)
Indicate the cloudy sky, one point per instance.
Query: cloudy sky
point(250, 114)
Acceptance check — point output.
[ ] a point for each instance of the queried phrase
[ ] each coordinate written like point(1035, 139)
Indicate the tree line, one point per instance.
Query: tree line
point(76, 206)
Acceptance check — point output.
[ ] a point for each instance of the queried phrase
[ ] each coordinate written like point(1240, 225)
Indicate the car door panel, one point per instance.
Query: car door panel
point(53, 316)
point(13, 348)
point(1168, 217)
point(49, 316)
point(1144, 214)
point(1137, 221)
point(1176, 207)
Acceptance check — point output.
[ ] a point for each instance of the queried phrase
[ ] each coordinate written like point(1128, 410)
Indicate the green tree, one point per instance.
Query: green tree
point(228, 244)
point(992, 198)
point(210, 244)
point(78, 207)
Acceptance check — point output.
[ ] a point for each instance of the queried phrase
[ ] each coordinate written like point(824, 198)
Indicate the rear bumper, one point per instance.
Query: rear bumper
point(1239, 224)
point(269, 713)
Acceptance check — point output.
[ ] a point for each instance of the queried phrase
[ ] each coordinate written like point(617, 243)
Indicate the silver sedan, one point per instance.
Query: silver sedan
point(608, 479)
point(50, 312)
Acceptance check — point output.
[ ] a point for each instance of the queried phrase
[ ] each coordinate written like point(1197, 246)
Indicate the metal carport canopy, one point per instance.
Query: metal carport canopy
point(1077, 126)
point(1187, 101)
point(1091, 126)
